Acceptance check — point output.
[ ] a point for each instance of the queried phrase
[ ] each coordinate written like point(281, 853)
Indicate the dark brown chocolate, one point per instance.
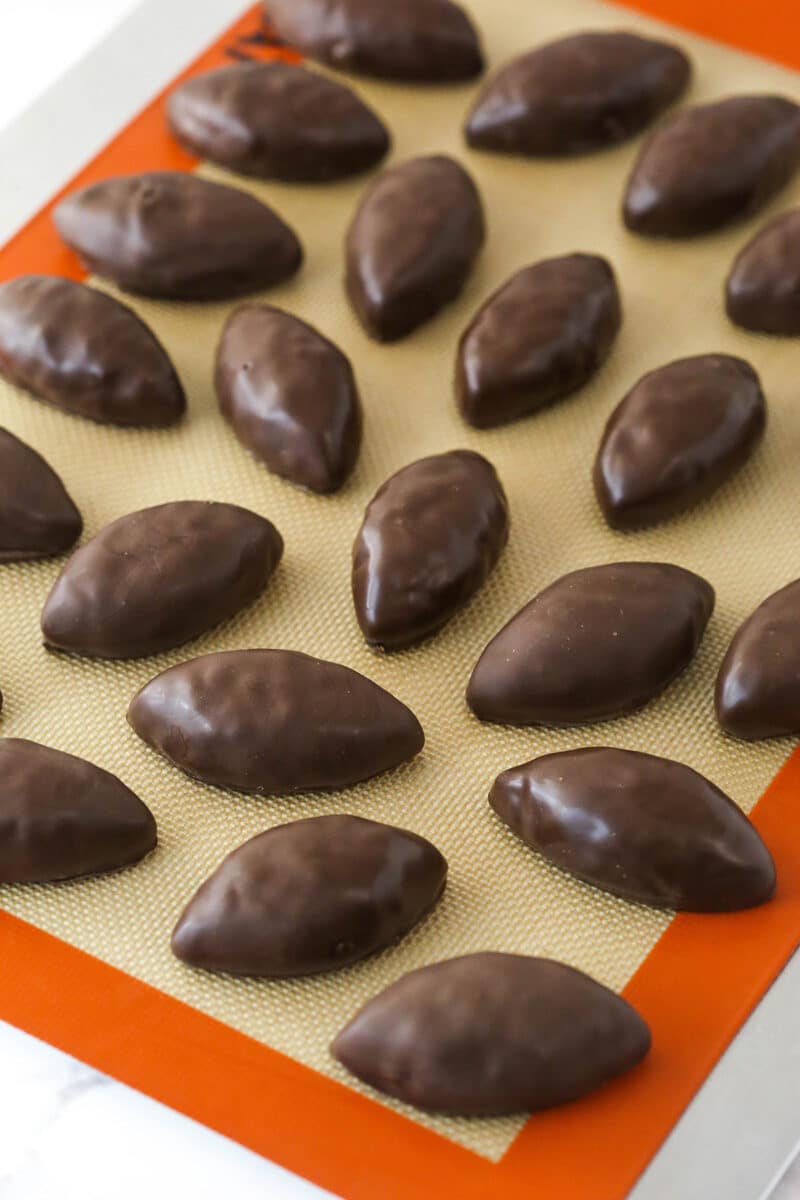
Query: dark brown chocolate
point(580, 93)
point(492, 1034)
point(419, 41)
point(86, 353)
point(412, 244)
point(713, 164)
point(644, 828)
point(37, 516)
point(290, 397)
point(62, 817)
point(277, 121)
point(598, 643)
point(430, 538)
point(274, 722)
point(542, 335)
point(681, 432)
point(310, 896)
point(758, 686)
point(175, 235)
point(762, 292)
point(160, 577)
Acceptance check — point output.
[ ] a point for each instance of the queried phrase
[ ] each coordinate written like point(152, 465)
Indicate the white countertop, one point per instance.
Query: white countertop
point(66, 1131)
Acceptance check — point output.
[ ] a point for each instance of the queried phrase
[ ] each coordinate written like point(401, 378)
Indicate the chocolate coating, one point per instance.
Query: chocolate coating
point(310, 896)
point(84, 352)
point(290, 397)
point(644, 828)
point(422, 41)
point(713, 164)
point(430, 538)
point(37, 517)
point(762, 291)
point(597, 643)
point(680, 432)
point(758, 685)
point(175, 235)
point(274, 722)
point(159, 577)
point(277, 121)
point(491, 1034)
point(412, 244)
point(540, 336)
point(577, 94)
point(61, 817)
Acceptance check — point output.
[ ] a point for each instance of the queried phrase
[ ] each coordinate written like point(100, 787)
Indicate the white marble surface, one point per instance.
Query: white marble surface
point(67, 1132)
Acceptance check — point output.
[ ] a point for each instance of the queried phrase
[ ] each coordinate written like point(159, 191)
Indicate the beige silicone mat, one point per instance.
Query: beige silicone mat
point(745, 541)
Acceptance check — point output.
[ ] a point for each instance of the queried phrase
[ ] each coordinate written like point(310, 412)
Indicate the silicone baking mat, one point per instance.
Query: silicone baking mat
point(88, 963)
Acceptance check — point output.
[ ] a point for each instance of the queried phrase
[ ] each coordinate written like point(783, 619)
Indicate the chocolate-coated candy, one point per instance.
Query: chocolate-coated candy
point(61, 817)
point(412, 244)
point(37, 517)
point(712, 164)
point(758, 686)
point(542, 335)
point(430, 538)
point(680, 432)
point(84, 352)
point(276, 121)
point(597, 643)
point(290, 396)
point(274, 722)
point(310, 896)
point(174, 235)
point(580, 93)
point(641, 827)
point(159, 577)
point(427, 41)
point(491, 1034)
point(762, 292)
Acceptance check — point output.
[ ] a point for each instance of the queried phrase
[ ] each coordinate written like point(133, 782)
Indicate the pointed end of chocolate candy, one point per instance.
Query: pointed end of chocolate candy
point(63, 817)
point(762, 292)
point(38, 519)
point(758, 686)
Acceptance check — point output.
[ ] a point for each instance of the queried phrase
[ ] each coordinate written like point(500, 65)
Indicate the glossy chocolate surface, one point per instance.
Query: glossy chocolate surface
point(61, 817)
point(758, 685)
point(542, 335)
point(290, 397)
point(490, 1034)
point(159, 577)
point(277, 121)
point(713, 164)
point(644, 828)
point(580, 93)
point(175, 235)
point(431, 536)
point(84, 352)
point(310, 896)
point(424, 41)
point(598, 643)
point(680, 432)
point(762, 292)
point(411, 245)
point(274, 722)
point(37, 516)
